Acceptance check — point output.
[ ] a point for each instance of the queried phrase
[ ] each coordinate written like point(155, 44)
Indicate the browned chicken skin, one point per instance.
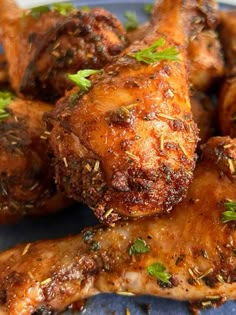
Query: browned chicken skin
point(126, 148)
point(227, 107)
point(192, 243)
point(206, 64)
point(205, 58)
point(41, 52)
point(204, 114)
point(227, 99)
point(227, 31)
point(3, 70)
point(26, 172)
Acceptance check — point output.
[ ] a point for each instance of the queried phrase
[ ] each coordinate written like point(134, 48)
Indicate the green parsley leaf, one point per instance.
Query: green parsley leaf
point(150, 55)
point(80, 78)
point(148, 7)
point(63, 8)
point(37, 11)
point(230, 213)
point(158, 271)
point(139, 247)
point(5, 99)
point(131, 22)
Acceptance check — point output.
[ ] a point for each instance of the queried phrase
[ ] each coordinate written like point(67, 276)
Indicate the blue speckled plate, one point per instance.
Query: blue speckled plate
point(72, 220)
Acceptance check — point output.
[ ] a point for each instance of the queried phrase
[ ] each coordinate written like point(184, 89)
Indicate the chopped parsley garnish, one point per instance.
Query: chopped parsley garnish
point(158, 271)
point(148, 7)
point(139, 247)
point(5, 99)
point(150, 55)
point(230, 213)
point(80, 78)
point(88, 236)
point(63, 8)
point(37, 11)
point(131, 22)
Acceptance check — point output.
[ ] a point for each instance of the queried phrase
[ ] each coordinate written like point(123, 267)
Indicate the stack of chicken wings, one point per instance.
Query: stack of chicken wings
point(125, 124)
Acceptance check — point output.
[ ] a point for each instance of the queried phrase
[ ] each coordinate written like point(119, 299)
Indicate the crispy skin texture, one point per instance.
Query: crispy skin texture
point(227, 107)
point(26, 172)
point(204, 114)
point(127, 145)
point(205, 58)
point(227, 99)
point(196, 248)
point(227, 31)
point(206, 63)
point(41, 52)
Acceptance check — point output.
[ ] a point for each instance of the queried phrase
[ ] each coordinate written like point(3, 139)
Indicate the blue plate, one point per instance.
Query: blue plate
point(72, 220)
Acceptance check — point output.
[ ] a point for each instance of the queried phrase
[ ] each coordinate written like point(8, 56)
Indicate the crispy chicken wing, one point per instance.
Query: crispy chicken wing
point(42, 51)
point(205, 58)
point(126, 147)
point(26, 172)
point(192, 243)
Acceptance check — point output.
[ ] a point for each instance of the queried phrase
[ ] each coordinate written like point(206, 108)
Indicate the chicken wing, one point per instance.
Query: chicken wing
point(126, 147)
point(192, 248)
point(26, 172)
point(42, 50)
point(205, 57)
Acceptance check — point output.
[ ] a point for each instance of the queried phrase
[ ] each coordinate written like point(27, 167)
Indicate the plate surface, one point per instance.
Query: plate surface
point(72, 220)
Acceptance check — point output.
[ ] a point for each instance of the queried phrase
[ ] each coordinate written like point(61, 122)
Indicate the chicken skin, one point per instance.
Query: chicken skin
point(3, 70)
point(26, 173)
point(227, 107)
point(227, 99)
point(227, 31)
point(206, 63)
point(126, 147)
point(205, 57)
point(192, 244)
point(204, 114)
point(42, 50)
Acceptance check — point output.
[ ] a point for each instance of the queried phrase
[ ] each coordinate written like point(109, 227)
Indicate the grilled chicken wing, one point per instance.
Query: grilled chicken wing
point(26, 174)
point(204, 114)
point(41, 52)
point(205, 58)
point(227, 33)
point(192, 243)
point(126, 147)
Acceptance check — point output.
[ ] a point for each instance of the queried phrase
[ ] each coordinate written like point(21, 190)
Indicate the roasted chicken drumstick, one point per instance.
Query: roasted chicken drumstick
point(126, 147)
point(26, 173)
point(193, 250)
point(42, 50)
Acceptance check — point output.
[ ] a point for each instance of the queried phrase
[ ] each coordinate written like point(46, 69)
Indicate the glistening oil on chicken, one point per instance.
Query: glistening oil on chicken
point(126, 147)
point(174, 256)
